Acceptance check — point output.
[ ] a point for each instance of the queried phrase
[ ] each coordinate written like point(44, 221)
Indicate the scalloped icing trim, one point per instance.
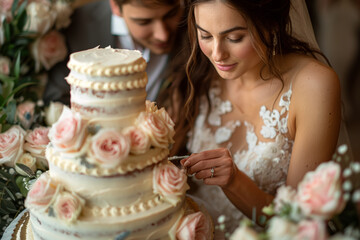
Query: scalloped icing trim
point(74, 167)
point(108, 86)
point(112, 211)
point(138, 66)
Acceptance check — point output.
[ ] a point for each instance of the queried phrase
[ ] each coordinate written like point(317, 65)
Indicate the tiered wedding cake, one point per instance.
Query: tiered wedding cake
point(109, 177)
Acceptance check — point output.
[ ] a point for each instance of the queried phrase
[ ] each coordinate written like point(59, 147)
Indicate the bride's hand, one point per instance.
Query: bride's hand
point(215, 167)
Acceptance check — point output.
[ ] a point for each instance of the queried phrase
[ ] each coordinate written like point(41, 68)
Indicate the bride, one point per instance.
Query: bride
point(262, 108)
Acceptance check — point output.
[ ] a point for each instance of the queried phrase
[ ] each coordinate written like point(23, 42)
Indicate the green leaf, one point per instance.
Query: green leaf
point(7, 31)
point(20, 183)
point(11, 112)
point(17, 65)
point(22, 16)
point(14, 7)
point(26, 169)
point(10, 194)
point(7, 90)
point(15, 91)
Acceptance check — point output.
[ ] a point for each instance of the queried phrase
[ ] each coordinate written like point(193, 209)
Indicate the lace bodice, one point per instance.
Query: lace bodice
point(261, 151)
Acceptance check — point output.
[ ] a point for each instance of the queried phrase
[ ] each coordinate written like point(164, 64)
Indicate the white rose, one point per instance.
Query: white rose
point(40, 17)
point(5, 64)
point(27, 160)
point(244, 232)
point(63, 13)
point(53, 112)
point(281, 229)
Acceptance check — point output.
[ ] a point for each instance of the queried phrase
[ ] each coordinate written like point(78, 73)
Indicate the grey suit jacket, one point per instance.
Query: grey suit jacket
point(90, 27)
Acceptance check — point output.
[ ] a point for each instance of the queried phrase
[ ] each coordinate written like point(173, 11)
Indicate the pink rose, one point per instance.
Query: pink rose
point(11, 145)
point(320, 192)
point(37, 140)
point(42, 192)
point(109, 147)
point(68, 133)
point(50, 49)
point(68, 206)
point(194, 226)
point(311, 230)
point(140, 142)
point(5, 64)
point(170, 182)
point(25, 113)
point(5, 5)
point(155, 128)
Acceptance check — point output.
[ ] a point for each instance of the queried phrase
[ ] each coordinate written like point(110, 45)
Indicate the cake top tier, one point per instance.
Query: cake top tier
point(107, 62)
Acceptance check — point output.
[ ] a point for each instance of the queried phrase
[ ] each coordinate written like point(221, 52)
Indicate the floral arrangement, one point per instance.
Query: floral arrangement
point(324, 206)
point(30, 44)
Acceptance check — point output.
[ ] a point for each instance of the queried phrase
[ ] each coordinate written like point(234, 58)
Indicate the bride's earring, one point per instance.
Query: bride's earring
point(275, 42)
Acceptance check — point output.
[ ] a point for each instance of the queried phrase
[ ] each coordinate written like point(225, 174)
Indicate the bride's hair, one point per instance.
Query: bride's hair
point(266, 20)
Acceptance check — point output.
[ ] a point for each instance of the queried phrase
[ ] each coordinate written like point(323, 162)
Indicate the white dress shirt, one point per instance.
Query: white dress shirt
point(155, 63)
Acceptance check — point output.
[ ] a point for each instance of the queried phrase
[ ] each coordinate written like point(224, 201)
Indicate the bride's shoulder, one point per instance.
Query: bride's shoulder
point(312, 76)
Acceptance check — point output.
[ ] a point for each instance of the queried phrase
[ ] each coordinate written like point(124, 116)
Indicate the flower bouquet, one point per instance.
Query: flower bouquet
point(324, 206)
point(30, 44)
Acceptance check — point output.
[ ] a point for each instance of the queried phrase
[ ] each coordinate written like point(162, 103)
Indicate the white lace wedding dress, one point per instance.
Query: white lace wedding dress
point(261, 151)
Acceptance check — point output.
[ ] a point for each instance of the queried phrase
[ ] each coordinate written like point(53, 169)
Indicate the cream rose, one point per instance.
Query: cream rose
point(162, 113)
point(40, 17)
point(42, 193)
point(284, 195)
point(25, 113)
point(63, 12)
point(68, 206)
point(140, 142)
point(53, 112)
point(155, 128)
point(68, 133)
point(36, 141)
point(244, 232)
point(320, 193)
point(282, 229)
point(27, 160)
point(194, 226)
point(311, 230)
point(5, 64)
point(109, 147)
point(11, 145)
point(170, 182)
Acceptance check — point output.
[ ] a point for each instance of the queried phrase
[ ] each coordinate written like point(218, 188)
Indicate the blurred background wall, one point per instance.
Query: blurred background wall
point(337, 27)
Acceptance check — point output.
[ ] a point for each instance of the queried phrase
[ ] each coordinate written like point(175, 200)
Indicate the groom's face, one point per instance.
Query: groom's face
point(153, 27)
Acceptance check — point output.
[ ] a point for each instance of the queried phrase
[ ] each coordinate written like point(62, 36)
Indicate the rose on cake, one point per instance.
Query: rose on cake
point(67, 206)
point(109, 147)
point(194, 226)
point(42, 193)
point(155, 128)
point(68, 133)
point(170, 182)
point(140, 142)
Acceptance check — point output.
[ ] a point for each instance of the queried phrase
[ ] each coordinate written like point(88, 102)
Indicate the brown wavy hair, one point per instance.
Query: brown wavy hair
point(265, 20)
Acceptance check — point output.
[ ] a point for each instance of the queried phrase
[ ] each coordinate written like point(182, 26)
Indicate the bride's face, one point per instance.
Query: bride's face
point(224, 38)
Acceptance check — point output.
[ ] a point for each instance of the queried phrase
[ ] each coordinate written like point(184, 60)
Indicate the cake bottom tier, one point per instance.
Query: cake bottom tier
point(158, 223)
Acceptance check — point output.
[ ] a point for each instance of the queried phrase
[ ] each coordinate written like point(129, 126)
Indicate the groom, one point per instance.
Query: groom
point(154, 27)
